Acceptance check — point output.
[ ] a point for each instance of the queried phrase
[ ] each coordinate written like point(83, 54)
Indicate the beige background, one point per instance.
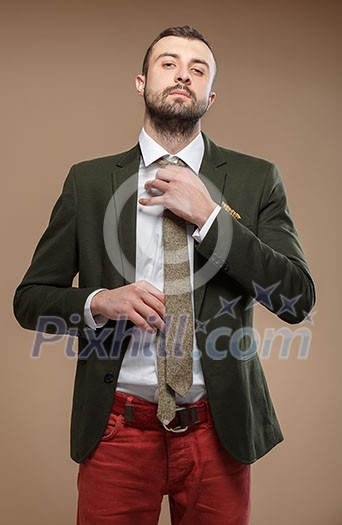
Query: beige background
point(68, 94)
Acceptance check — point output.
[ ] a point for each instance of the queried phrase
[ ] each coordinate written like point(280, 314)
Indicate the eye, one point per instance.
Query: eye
point(168, 65)
point(197, 71)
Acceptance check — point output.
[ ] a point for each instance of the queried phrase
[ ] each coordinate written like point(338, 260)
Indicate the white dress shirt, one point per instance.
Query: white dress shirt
point(138, 373)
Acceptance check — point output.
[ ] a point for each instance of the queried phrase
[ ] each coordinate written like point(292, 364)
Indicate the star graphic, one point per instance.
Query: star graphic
point(309, 316)
point(227, 307)
point(201, 326)
point(288, 304)
point(263, 295)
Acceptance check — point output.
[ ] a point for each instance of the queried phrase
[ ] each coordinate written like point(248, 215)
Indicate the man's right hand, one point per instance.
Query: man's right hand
point(140, 302)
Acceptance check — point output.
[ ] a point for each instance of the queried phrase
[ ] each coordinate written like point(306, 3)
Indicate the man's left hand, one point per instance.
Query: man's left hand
point(182, 192)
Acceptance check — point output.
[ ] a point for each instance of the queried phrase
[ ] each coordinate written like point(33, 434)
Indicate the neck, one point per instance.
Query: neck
point(171, 141)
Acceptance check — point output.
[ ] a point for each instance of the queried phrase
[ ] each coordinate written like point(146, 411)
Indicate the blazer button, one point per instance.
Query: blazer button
point(109, 378)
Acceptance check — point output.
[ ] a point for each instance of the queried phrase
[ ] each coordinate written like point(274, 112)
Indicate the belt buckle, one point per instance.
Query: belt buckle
point(178, 429)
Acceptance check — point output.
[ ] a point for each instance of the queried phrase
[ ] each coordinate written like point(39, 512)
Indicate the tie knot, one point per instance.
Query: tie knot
point(170, 159)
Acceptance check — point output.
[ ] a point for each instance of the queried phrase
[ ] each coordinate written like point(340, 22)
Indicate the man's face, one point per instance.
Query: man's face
point(179, 80)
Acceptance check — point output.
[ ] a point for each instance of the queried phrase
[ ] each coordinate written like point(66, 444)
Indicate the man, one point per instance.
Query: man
point(163, 434)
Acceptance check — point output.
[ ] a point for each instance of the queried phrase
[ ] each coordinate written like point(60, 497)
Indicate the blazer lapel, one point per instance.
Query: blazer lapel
point(213, 173)
point(125, 188)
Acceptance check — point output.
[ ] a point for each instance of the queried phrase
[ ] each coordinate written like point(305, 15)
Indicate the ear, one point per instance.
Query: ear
point(140, 84)
point(212, 97)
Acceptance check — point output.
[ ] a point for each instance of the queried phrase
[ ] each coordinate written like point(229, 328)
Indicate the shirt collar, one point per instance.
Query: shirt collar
point(192, 154)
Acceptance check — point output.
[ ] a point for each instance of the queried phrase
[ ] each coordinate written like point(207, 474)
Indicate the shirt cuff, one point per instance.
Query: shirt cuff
point(199, 234)
point(93, 322)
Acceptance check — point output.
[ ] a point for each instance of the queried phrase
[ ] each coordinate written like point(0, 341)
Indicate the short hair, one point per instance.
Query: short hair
point(181, 31)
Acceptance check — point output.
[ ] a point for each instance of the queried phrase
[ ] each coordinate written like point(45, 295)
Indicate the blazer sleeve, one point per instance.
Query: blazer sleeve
point(46, 292)
point(268, 262)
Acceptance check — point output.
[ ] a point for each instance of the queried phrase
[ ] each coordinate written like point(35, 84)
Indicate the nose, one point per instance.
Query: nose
point(183, 76)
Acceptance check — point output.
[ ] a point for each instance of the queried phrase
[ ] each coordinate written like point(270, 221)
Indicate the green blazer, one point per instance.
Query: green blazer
point(257, 257)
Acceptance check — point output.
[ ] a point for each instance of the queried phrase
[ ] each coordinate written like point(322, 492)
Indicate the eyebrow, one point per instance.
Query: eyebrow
point(175, 55)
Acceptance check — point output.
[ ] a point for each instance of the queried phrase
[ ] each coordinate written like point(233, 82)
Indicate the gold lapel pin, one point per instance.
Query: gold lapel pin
point(230, 210)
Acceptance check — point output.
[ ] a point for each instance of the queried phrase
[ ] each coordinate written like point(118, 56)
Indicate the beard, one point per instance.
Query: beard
point(177, 117)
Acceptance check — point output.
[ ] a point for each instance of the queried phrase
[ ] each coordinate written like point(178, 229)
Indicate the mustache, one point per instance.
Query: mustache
point(187, 90)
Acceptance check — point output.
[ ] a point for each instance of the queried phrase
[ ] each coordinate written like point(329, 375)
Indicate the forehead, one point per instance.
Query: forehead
point(190, 50)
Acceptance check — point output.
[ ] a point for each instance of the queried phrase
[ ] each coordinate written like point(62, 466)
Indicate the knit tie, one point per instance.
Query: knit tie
point(175, 346)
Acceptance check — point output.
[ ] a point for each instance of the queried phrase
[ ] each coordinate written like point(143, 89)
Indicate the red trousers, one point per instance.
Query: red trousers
point(137, 462)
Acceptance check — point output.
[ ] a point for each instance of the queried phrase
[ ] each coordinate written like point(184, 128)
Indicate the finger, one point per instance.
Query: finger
point(153, 303)
point(157, 325)
point(167, 173)
point(146, 285)
point(154, 320)
point(152, 296)
point(150, 317)
point(139, 321)
point(152, 201)
point(155, 184)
